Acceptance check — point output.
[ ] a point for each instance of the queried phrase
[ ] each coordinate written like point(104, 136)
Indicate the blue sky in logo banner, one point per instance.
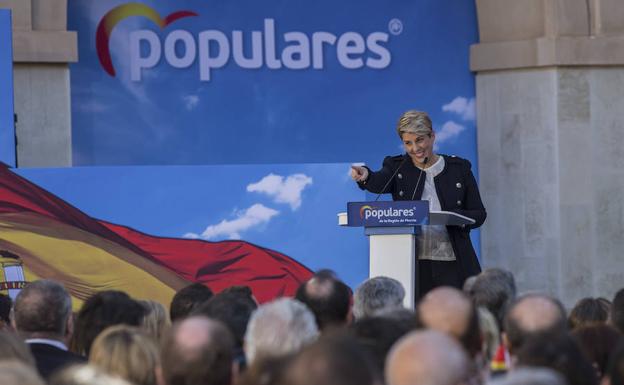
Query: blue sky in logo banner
point(274, 115)
point(288, 208)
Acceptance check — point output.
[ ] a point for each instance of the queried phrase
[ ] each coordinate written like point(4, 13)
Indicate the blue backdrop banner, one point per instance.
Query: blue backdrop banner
point(242, 81)
point(7, 127)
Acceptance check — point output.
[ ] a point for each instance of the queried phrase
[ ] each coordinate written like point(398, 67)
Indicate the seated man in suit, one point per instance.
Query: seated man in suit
point(43, 317)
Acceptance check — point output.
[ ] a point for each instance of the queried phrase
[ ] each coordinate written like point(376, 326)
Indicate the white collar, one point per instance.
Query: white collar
point(46, 341)
point(436, 168)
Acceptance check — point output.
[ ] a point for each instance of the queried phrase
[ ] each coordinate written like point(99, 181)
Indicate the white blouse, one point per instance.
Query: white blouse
point(433, 242)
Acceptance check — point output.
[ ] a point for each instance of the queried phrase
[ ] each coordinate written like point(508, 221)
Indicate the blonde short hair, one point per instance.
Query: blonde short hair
point(414, 122)
point(127, 352)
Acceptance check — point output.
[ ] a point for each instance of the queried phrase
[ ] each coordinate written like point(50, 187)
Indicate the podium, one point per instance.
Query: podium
point(392, 229)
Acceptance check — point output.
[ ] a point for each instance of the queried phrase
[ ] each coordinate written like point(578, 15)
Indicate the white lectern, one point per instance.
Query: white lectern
point(393, 249)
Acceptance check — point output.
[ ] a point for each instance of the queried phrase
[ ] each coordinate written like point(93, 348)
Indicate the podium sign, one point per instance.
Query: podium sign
point(387, 214)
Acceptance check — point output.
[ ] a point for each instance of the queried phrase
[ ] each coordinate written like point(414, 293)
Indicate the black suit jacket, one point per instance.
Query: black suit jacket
point(457, 191)
point(49, 358)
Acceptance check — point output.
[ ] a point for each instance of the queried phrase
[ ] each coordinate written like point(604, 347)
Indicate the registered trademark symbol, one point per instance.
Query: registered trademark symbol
point(395, 26)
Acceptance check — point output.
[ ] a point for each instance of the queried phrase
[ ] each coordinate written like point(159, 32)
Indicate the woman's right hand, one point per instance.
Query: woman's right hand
point(359, 173)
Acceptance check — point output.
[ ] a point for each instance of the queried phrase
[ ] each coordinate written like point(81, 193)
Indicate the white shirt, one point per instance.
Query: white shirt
point(434, 242)
point(47, 341)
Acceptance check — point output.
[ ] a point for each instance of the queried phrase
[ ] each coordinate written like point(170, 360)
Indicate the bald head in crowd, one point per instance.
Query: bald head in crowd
point(450, 311)
point(532, 314)
point(427, 357)
point(198, 351)
point(328, 298)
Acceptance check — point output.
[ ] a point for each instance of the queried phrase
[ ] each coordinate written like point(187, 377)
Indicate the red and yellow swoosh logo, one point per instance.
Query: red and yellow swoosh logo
point(367, 207)
point(117, 14)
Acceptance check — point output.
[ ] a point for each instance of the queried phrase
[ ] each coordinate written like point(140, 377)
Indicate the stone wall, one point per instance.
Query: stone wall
point(42, 49)
point(550, 78)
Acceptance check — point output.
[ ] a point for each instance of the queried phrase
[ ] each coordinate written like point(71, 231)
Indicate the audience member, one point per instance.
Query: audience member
point(13, 348)
point(617, 311)
point(233, 307)
point(598, 342)
point(615, 369)
point(280, 327)
point(377, 334)
point(588, 311)
point(104, 309)
point(427, 357)
point(198, 351)
point(241, 290)
point(490, 334)
point(126, 352)
point(531, 314)
point(266, 371)
point(559, 351)
point(450, 311)
point(187, 299)
point(85, 375)
point(494, 289)
point(468, 284)
point(328, 298)
point(18, 373)
point(334, 359)
point(530, 376)
point(43, 317)
point(375, 294)
point(5, 311)
point(401, 314)
point(156, 320)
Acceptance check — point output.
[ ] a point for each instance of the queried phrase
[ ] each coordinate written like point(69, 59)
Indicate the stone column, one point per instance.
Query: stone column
point(550, 103)
point(42, 49)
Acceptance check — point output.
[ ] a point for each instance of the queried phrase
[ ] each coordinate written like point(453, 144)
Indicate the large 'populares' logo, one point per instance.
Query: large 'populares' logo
point(117, 14)
point(263, 46)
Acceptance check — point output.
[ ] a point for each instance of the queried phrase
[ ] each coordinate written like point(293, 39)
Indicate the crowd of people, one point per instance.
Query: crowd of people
point(326, 334)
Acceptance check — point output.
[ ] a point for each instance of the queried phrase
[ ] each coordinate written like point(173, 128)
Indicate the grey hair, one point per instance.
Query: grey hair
point(375, 294)
point(494, 289)
point(414, 122)
point(279, 328)
point(530, 376)
point(42, 308)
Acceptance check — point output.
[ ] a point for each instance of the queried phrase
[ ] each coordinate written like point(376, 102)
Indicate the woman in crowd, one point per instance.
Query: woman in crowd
point(126, 352)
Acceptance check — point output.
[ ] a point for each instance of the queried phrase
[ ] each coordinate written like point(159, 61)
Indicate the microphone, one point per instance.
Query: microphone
point(390, 179)
point(419, 176)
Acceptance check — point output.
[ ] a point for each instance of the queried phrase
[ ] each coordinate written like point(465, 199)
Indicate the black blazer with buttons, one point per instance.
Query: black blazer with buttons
point(457, 191)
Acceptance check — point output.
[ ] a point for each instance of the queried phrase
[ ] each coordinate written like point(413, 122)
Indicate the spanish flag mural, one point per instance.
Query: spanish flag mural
point(42, 236)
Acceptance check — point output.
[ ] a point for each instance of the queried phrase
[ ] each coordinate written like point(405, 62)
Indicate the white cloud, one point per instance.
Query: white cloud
point(461, 106)
point(190, 101)
point(255, 215)
point(282, 190)
point(449, 130)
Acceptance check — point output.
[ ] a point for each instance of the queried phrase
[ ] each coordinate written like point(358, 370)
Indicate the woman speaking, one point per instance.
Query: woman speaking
point(445, 253)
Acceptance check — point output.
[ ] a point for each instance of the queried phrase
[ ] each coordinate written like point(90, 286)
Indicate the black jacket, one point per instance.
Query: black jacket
point(49, 358)
point(457, 191)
